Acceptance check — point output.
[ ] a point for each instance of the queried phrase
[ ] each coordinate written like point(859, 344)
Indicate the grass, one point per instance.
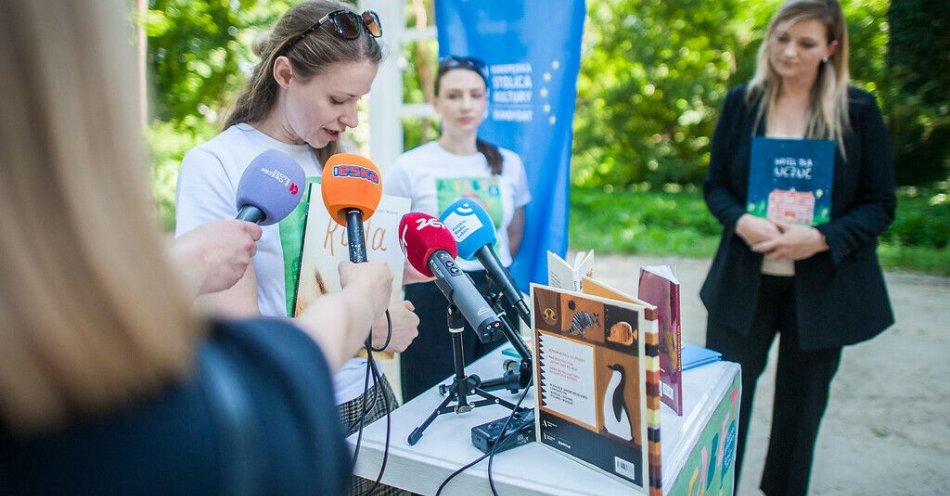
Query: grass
point(675, 222)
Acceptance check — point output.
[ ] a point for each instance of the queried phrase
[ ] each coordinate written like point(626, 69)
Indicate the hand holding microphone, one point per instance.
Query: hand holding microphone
point(474, 232)
point(431, 250)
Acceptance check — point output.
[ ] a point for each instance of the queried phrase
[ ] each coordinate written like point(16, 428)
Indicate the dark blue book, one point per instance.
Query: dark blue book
point(791, 179)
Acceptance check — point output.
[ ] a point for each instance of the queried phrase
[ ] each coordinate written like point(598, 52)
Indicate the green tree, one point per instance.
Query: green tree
point(917, 103)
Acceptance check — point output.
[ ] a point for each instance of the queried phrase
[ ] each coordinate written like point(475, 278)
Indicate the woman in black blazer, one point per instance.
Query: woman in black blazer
point(819, 287)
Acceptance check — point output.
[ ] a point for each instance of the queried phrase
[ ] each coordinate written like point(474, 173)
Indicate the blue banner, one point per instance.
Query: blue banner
point(533, 50)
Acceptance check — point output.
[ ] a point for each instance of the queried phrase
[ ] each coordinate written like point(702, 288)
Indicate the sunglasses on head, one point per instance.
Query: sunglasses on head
point(346, 24)
point(469, 63)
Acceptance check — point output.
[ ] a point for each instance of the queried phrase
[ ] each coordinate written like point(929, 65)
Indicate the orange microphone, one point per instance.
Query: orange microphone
point(352, 189)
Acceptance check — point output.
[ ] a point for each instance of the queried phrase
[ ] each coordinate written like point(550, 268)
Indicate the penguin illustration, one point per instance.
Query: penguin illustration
point(616, 420)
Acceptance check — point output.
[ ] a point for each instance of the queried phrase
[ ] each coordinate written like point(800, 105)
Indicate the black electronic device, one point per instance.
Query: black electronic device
point(520, 431)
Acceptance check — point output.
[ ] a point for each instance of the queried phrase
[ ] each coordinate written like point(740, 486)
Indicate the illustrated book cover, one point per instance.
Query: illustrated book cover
point(658, 286)
point(791, 179)
point(596, 382)
point(325, 246)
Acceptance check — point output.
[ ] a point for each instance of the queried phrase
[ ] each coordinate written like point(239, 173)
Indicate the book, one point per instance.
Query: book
point(658, 286)
point(563, 275)
point(325, 246)
point(791, 179)
point(596, 381)
point(695, 356)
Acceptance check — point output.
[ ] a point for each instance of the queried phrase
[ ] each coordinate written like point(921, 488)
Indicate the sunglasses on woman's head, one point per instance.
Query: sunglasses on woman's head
point(346, 24)
point(469, 63)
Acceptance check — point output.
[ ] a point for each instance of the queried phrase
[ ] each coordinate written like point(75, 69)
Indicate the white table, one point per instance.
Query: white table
point(534, 469)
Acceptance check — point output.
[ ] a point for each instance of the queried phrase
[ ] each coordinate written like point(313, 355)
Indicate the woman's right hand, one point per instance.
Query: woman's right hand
point(754, 230)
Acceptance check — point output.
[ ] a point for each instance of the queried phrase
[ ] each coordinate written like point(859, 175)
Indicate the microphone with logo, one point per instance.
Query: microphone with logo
point(430, 249)
point(270, 188)
point(351, 189)
point(474, 232)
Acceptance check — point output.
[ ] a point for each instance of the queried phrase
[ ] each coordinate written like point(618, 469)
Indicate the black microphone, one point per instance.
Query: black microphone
point(474, 232)
point(269, 189)
point(351, 189)
point(430, 249)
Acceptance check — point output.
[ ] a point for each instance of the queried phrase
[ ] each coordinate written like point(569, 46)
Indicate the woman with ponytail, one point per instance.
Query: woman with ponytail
point(819, 287)
point(436, 174)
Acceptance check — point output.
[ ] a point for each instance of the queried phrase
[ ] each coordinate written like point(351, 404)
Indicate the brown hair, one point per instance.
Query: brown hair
point(91, 313)
point(491, 152)
point(828, 117)
point(309, 57)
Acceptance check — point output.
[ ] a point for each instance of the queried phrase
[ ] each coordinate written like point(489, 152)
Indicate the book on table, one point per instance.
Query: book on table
point(658, 286)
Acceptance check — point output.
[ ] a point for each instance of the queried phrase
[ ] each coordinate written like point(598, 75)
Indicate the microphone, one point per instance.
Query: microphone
point(270, 188)
point(430, 249)
point(474, 232)
point(351, 190)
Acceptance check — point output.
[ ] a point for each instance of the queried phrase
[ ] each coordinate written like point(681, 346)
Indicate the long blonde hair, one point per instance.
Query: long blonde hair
point(92, 315)
point(828, 115)
point(309, 57)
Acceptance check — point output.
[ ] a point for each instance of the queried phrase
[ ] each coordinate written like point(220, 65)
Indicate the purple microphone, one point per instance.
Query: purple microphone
point(270, 188)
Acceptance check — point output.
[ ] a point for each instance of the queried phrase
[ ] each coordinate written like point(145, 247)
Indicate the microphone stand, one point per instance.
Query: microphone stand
point(462, 385)
point(511, 380)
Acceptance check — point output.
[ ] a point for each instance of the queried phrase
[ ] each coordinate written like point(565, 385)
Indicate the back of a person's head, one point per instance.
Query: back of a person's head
point(310, 55)
point(91, 315)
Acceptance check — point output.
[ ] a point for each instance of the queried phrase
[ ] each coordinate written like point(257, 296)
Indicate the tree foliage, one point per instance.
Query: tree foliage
point(655, 73)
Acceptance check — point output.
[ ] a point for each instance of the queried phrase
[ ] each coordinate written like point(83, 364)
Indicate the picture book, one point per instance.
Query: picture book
point(791, 179)
point(563, 275)
point(325, 246)
point(596, 381)
point(658, 286)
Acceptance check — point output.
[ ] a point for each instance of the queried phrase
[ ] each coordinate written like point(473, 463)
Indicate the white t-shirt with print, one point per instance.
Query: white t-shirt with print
point(433, 178)
point(207, 187)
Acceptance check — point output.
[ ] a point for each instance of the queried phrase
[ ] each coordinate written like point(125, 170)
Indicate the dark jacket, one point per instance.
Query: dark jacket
point(840, 294)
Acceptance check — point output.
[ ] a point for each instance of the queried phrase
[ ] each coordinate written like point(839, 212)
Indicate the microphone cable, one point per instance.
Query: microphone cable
point(364, 408)
point(491, 453)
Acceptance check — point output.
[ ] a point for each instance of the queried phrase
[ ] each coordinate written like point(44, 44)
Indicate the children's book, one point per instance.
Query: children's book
point(563, 275)
point(660, 287)
point(325, 246)
point(791, 179)
point(695, 356)
point(596, 379)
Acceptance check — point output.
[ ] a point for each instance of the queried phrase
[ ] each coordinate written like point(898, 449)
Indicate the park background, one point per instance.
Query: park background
point(652, 80)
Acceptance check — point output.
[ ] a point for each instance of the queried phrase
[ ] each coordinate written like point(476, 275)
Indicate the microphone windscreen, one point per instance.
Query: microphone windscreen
point(350, 181)
point(470, 225)
point(273, 183)
point(420, 236)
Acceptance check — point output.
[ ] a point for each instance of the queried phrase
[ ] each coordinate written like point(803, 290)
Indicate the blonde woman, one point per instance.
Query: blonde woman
point(819, 288)
point(109, 384)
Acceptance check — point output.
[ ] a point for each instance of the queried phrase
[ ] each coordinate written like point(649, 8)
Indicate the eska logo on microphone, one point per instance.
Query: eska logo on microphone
point(357, 171)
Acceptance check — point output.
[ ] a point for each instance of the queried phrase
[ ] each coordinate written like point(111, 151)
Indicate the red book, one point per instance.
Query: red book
point(658, 286)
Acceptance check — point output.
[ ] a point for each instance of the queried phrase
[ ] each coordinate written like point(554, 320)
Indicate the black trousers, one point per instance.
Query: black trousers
point(430, 358)
point(802, 383)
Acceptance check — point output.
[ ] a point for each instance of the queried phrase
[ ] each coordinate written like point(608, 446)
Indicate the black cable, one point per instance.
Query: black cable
point(389, 334)
point(364, 408)
point(491, 452)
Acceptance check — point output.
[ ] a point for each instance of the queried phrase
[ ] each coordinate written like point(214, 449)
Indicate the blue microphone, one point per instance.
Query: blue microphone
point(474, 234)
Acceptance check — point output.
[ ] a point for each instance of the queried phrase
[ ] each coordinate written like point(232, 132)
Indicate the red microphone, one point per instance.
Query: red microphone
point(430, 249)
point(351, 188)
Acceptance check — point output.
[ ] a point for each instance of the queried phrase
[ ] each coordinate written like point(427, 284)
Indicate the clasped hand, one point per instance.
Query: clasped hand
point(780, 240)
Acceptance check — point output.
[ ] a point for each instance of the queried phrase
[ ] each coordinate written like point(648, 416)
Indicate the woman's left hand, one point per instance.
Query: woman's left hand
point(797, 242)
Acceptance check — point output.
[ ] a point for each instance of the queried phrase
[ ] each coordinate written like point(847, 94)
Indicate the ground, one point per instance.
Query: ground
point(887, 426)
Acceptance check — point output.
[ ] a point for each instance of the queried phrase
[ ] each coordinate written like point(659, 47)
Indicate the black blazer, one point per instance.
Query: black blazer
point(840, 294)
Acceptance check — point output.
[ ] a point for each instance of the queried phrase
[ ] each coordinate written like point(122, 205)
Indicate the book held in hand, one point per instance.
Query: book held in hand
point(791, 179)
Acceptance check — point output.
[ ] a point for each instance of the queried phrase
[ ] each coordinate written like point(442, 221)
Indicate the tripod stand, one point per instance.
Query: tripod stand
point(462, 386)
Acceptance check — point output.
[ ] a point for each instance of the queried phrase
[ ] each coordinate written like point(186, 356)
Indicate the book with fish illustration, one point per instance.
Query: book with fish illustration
point(597, 382)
